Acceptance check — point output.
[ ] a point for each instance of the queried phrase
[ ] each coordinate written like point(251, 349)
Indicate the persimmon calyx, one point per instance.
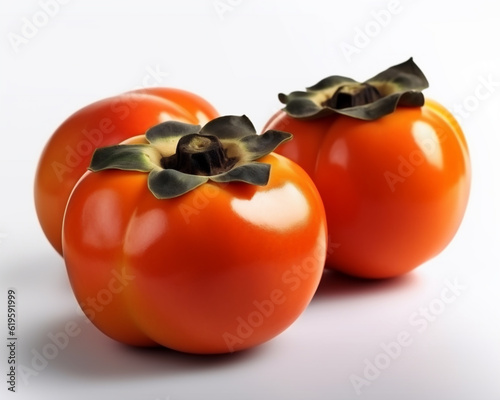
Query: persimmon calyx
point(180, 157)
point(399, 85)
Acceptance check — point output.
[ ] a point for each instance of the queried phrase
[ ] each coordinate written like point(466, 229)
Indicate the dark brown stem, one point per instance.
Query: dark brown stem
point(199, 155)
point(354, 95)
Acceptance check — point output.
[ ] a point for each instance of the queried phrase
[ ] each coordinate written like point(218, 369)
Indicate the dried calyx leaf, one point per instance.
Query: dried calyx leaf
point(400, 85)
point(181, 156)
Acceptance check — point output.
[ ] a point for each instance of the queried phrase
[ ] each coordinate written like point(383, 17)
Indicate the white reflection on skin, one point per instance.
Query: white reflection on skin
point(276, 209)
point(202, 118)
point(164, 117)
point(339, 155)
point(101, 207)
point(144, 230)
point(428, 141)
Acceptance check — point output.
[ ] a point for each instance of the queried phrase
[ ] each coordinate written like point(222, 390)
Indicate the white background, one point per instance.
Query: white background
point(239, 57)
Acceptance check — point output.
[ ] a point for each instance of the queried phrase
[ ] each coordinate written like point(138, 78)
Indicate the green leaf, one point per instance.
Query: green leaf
point(170, 183)
point(302, 107)
point(229, 127)
point(412, 99)
point(406, 76)
point(170, 130)
point(125, 157)
point(384, 106)
point(253, 173)
point(257, 146)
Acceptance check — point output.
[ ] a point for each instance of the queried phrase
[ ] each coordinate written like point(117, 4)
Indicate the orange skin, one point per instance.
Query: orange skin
point(67, 154)
point(395, 189)
point(195, 266)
